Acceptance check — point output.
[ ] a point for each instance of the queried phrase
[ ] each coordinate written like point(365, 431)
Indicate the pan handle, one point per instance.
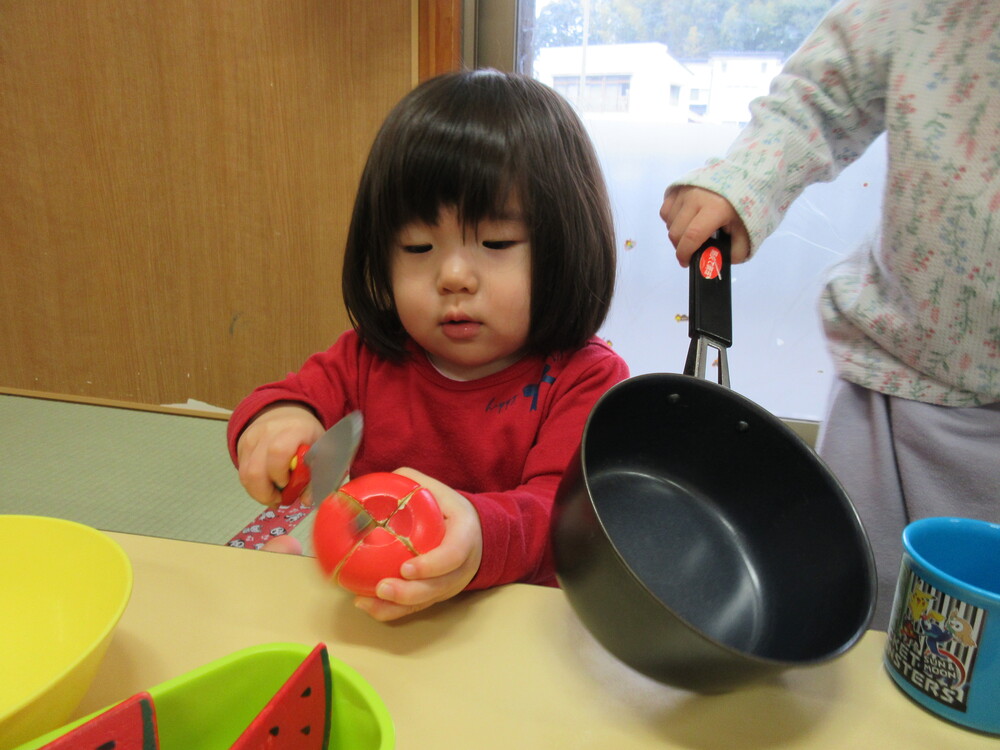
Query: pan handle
point(710, 322)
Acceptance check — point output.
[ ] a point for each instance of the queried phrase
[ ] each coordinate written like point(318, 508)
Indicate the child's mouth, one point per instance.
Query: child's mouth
point(460, 330)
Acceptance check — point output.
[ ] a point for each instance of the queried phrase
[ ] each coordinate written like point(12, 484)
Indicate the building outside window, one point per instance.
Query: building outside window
point(600, 93)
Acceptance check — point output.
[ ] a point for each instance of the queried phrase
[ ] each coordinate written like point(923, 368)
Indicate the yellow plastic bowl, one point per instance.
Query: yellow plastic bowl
point(63, 588)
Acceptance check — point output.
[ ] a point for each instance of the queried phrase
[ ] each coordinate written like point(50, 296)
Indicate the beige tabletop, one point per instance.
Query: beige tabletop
point(505, 668)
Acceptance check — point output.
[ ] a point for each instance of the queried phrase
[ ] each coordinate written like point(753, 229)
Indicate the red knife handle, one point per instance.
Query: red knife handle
point(298, 478)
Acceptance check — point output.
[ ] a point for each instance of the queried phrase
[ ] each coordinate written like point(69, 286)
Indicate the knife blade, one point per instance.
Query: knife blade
point(322, 467)
point(327, 461)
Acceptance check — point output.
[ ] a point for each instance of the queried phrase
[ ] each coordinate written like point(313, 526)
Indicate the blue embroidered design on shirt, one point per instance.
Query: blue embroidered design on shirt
point(534, 388)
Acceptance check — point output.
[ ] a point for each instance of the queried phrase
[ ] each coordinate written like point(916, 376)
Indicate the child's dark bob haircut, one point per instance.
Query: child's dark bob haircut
point(474, 141)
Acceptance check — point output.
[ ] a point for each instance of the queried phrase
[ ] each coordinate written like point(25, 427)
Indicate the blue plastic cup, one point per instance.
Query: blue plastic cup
point(943, 648)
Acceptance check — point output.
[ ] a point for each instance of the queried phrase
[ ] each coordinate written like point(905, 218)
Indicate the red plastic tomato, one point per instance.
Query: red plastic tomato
point(373, 524)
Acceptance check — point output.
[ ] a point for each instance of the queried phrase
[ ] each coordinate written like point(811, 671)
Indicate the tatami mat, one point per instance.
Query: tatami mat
point(122, 470)
point(133, 471)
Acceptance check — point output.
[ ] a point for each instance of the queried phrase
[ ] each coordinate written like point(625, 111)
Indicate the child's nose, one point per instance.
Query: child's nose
point(457, 272)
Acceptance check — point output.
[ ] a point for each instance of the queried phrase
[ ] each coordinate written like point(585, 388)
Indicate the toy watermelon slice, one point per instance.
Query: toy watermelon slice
point(298, 716)
point(130, 725)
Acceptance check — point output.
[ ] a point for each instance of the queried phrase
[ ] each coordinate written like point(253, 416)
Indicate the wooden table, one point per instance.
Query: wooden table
point(505, 668)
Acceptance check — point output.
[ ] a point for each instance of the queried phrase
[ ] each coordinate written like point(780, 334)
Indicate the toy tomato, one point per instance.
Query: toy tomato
point(373, 524)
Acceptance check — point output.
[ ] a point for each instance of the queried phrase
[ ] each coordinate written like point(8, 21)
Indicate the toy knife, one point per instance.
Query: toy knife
point(322, 466)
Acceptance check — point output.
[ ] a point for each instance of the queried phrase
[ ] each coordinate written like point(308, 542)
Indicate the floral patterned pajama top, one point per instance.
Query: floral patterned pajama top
point(914, 312)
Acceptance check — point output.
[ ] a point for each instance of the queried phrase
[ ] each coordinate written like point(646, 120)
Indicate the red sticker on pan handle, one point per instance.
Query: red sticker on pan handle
point(710, 264)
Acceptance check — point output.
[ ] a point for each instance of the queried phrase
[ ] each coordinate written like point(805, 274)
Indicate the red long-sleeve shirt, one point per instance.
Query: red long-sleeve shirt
point(503, 441)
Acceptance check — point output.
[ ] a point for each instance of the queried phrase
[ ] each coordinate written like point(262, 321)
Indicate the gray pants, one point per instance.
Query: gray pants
point(901, 460)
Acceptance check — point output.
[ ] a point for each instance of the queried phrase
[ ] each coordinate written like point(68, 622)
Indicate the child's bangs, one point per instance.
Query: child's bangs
point(466, 166)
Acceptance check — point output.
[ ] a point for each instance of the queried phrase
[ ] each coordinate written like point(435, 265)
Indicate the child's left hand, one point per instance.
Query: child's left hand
point(436, 575)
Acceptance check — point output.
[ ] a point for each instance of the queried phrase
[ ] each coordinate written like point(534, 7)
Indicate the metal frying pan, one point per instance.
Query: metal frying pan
point(697, 537)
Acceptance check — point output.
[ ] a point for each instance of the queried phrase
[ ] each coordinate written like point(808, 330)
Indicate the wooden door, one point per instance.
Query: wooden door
point(177, 179)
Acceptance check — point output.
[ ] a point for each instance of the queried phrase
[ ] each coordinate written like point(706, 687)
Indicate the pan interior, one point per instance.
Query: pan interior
point(686, 553)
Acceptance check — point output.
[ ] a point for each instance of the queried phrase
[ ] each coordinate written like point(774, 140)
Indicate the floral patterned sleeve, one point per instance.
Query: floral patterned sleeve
point(823, 110)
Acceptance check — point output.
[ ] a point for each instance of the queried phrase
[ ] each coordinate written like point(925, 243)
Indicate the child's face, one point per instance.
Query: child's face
point(464, 293)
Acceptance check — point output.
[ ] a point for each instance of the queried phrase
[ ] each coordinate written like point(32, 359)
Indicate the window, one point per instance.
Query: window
point(600, 93)
point(691, 78)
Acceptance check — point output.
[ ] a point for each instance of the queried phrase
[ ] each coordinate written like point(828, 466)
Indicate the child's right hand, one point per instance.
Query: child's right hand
point(267, 445)
point(693, 214)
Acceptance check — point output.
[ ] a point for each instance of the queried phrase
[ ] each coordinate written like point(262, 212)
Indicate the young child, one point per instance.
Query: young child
point(912, 319)
point(480, 263)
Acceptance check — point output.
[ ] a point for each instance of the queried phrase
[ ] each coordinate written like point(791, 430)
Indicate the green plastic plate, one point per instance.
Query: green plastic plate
point(209, 707)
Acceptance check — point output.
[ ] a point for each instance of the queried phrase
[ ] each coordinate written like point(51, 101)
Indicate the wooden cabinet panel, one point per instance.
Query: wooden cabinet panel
point(177, 179)
point(440, 37)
